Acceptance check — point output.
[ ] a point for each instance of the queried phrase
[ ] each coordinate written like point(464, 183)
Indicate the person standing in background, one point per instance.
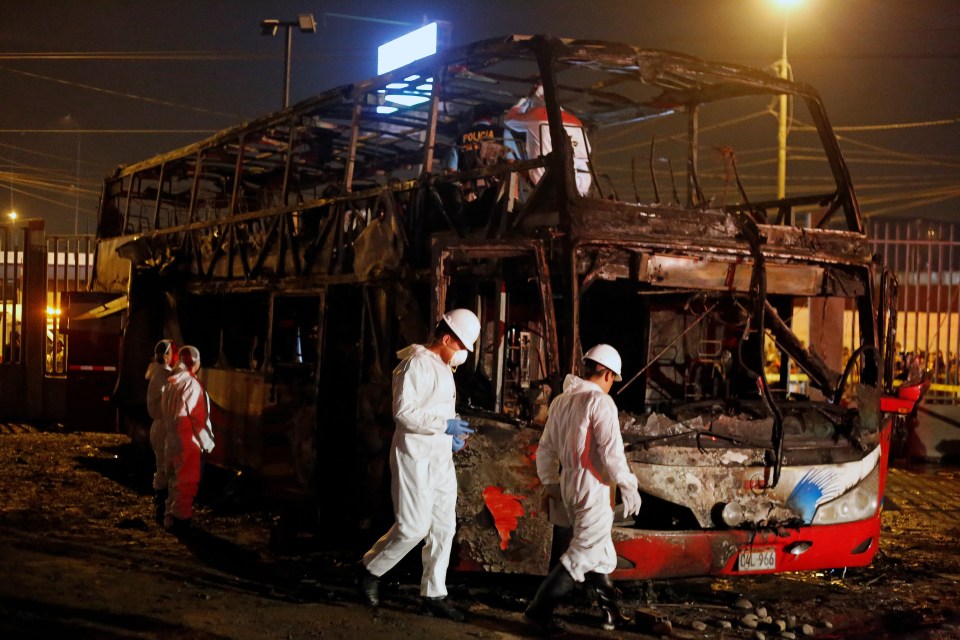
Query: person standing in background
point(186, 415)
point(164, 357)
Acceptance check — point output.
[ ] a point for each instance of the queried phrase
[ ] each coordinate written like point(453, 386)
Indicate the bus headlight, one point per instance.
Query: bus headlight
point(859, 503)
point(732, 514)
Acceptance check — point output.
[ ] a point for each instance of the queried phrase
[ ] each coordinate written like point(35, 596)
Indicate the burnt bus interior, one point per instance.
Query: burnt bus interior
point(305, 247)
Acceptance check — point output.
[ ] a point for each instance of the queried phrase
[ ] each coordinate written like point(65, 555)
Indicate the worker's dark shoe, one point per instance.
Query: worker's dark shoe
point(546, 622)
point(159, 505)
point(440, 608)
point(610, 615)
point(369, 586)
point(177, 526)
point(557, 584)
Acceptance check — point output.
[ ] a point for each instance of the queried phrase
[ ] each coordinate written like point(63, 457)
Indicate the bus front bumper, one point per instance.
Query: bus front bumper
point(646, 554)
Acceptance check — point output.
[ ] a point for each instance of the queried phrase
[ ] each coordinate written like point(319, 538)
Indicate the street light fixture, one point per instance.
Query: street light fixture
point(306, 24)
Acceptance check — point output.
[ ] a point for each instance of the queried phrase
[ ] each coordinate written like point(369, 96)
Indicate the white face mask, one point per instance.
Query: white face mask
point(459, 357)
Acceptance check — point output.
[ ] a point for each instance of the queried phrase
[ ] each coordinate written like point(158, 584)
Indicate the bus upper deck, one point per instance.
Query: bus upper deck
point(667, 111)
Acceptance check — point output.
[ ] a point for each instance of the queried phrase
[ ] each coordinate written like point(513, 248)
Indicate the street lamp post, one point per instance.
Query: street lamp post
point(306, 23)
point(783, 70)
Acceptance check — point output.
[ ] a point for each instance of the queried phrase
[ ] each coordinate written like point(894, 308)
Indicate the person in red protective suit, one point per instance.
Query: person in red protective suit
point(580, 455)
point(165, 356)
point(529, 117)
point(186, 414)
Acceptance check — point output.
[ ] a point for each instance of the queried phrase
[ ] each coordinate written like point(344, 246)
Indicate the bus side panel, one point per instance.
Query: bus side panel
point(93, 353)
point(340, 487)
point(236, 409)
point(263, 427)
point(501, 525)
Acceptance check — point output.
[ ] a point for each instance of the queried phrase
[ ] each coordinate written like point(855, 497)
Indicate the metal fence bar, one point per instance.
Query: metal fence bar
point(4, 243)
point(51, 362)
point(923, 256)
point(953, 365)
point(85, 242)
point(12, 332)
point(70, 258)
point(929, 297)
point(941, 361)
point(913, 268)
point(16, 349)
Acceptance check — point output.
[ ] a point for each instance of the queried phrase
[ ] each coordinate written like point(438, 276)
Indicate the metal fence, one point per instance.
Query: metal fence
point(926, 258)
point(69, 261)
point(12, 240)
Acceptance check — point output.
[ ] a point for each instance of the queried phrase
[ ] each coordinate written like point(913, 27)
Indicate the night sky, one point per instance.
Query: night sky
point(124, 80)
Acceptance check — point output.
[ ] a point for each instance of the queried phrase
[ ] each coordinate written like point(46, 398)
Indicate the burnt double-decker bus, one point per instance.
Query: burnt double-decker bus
point(570, 192)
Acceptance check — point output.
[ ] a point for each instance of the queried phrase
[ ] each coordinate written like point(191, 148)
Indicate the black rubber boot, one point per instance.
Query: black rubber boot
point(440, 608)
point(159, 505)
point(180, 527)
point(369, 586)
point(557, 584)
point(611, 616)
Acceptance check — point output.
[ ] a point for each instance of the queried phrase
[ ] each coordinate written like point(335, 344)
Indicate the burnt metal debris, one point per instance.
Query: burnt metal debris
point(300, 250)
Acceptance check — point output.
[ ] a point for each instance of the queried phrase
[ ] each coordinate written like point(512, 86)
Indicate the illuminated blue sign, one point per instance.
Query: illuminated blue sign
point(402, 51)
point(407, 48)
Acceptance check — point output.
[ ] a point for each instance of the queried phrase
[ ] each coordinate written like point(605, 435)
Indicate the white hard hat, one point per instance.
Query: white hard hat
point(465, 324)
point(607, 356)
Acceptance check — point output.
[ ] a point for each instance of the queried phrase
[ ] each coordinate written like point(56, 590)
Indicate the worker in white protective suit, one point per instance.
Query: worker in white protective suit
point(424, 483)
point(580, 455)
point(186, 414)
point(529, 117)
point(164, 357)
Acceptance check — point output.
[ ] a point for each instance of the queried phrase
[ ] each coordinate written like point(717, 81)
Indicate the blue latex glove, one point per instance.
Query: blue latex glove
point(458, 443)
point(457, 427)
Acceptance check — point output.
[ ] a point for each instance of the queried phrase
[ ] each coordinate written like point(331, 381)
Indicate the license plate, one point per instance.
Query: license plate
point(757, 559)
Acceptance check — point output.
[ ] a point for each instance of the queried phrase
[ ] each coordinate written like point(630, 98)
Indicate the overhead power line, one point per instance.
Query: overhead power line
point(121, 94)
point(888, 127)
point(70, 159)
point(916, 158)
point(66, 205)
point(133, 55)
point(108, 131)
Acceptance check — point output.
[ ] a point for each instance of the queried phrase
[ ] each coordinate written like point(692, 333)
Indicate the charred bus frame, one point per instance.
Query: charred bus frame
point(299, 250)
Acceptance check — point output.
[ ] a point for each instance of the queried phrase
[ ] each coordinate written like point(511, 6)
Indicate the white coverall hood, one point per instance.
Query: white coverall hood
point(409, 350)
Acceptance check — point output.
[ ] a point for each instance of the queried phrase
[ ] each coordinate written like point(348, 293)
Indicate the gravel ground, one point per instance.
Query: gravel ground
point(82, 558)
